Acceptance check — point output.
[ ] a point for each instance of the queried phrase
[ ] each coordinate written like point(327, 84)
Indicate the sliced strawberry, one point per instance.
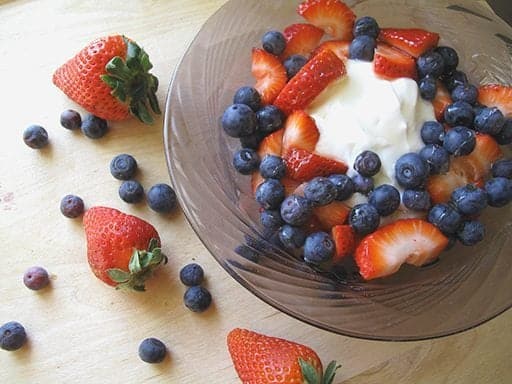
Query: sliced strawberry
point(333, 16)
point(441, 100)
point(339, 47)
point(270, 145)
point(301, 39)
point(290, 185)
point(486, 152)
point(344, 240)
point(496, 95)
point(412, 241)
point(300, 131)
point(302, 165)
point(391, 63)
point(313, 77)
point(332, 214)
point(269, 73)
point(414, 41)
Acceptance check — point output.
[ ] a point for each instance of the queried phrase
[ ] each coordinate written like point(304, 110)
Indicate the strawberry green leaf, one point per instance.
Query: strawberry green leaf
point(118, 275)
point(135, 265)
point(309, 373)
point(330, 372)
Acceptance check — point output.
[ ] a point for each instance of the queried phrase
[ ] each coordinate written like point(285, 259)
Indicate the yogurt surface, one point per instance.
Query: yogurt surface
point(363, 112)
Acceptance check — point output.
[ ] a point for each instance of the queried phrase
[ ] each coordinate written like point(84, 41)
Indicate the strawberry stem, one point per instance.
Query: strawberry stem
point(312, 376)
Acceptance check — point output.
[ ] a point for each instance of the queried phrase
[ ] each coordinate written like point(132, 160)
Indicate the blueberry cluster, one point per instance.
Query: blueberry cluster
point(365, 31)
point(197, 298)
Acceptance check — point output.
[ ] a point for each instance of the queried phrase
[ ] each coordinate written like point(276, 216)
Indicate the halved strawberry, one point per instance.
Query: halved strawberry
point(441, 100)
point(333, 16)
point(312, 78)
point(270, 145)
point(302, 165)
point(344, 240)
point(332, 214)
point(301, 39)
point(269, 73)
point(339, 47)
point(300, 131)
point(391, 63)
point(496, 95)
point(414, 41)
point(412, 241)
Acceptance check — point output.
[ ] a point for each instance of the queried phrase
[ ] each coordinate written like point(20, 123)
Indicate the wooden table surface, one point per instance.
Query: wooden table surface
point(82, 331)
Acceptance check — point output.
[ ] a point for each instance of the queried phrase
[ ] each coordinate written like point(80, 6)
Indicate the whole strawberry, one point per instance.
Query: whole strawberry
point(122, 250)
point(110, 79)
point(261, 359)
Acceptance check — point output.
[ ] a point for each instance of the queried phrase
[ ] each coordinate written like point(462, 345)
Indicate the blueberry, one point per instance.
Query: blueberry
point(432, 132)
point(450, 58)
point(459, 141)
point(320, 191)
point(362, 48)
point(272, 167)
point(239, 120)
point(197, 298)
point(252, 141)
point(36, 278)
point(437, 158)
point(247, 253)
point(270, 119)
point(292, 237)
point(192, 274)
point(453, 79)
point(430, 63)
point(271, 218)
point(459, 113)
point(471, 232)
point(385, 198)
point(502, 168)
point(416, 199)
point(152, 351)
point(248, 96)
point(504, 136)
point(70, 119)
point(411, 170)
point(465, 92)
point(293, 64)
point(270, 193)
point(367, 163)
point(445, 217)
point(318, 248)
point(469, 200)
point(366, 25)
point(94, 127)
point(161, 198)
point(273, 42)
point(35, 136)
point(131, 191)
point(123, 166)
point(246, 161)
point(362, 184)
point(71, 206)
point(499, 191)
point(12, 336)
point(427, 87)
point(364, 218)
point(489, 120)
point(344, 186)
point(296, 210)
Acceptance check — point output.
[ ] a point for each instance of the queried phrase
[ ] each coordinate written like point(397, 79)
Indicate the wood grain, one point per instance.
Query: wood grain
point(81, 330)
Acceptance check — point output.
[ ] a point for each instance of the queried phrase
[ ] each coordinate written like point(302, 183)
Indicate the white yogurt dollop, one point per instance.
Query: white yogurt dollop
point(363, 112)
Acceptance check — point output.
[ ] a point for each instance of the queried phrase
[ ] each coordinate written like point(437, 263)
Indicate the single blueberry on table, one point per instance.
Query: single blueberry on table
point(364, 218)
point(292, 237)
point(270, 193)
point(70, 119)
point(272, 167)
point(161, 198)
point(270, 119)
point(362, 184)
point(362, 48)
point(459, 141)
point(437, 158)
point(345, 187)
point(367, 163)
point(239, 120)
point(192, 274)
point(320, 191)
point(385, 198)
point(152, 351)
point(35, 136)
point(499, 191)
point(427, 87)
point(71, 206)
point(296, 210)
point(471, 233)
point(489, 120)
point(450, 57)
point(469, 200)
point(445, 217)
point(271, 218)
point(465, 92)
point(502, 168)
point(94, 127)
point(36, 278)
point(367, 26)
point(459, 113)
point(293, 64)
point(197, 298)
point(416, 199)
point(12, 336)
point(430, 63)
point(273, 42)
point(318, 248)
point(411, 170)
point(246, 161)
point(248, 96)
point(123, 166)
point(131, 191)
point(432, 132)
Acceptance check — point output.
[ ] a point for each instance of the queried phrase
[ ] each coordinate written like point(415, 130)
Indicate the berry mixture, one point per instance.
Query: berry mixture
point(400, 198)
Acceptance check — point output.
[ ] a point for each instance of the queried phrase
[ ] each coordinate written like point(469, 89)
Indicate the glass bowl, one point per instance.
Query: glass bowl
point(468, 286)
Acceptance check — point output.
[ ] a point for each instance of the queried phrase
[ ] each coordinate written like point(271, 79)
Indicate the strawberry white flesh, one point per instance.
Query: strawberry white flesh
point(333, 16)
point(269, 73)
point(300, 131)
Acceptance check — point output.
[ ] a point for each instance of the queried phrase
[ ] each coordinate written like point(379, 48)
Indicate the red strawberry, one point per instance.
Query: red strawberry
point(496, 95)
point(333, 16)
point(303, 165)
point(391, 63)
point(412, 241)
point(110, 78)
point(269, 73)
point(332, 214)
point(301, 39)
point(261, 359)
point(345, 241)
point(270, 145)
point(300, 131)
point(339, 47)
point(122, 250)
point(414, 41)
point(313, 77)
point(441, 100)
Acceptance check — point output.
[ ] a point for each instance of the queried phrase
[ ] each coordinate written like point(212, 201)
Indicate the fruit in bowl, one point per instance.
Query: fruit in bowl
point(370, 140)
